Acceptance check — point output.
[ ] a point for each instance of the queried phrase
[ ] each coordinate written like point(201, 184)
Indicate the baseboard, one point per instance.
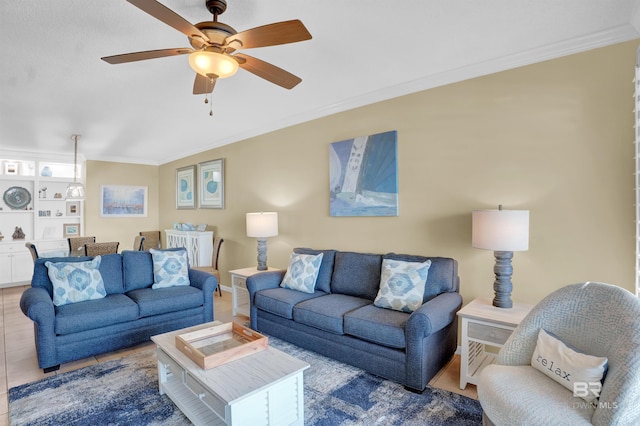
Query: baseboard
point(458, 350)
point(225, 288)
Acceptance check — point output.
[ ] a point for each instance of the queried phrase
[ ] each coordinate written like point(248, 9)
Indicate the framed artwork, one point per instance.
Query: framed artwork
point(211, 184)
point(363, 176)
point(71, 230)
point(11, 168)
point(186, 187)
point(73, 208)
point(123, 201)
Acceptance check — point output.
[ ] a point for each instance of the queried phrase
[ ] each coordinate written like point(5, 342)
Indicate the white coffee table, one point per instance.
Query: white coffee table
point(262, 388)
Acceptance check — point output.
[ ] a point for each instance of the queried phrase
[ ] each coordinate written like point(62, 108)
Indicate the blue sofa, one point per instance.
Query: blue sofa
point(339, 319)
point(130, 313)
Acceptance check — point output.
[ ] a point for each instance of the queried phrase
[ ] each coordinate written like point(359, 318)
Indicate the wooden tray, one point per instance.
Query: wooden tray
point(220, 344)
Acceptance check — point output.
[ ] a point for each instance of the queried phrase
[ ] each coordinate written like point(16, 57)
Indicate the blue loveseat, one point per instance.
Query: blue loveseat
point(340, 320)
point(130, 313)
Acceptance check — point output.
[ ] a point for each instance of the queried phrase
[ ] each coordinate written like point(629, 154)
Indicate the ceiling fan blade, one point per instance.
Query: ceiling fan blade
point(267, 71)
point(270, 35)
point(147, 54)
point(203, 85)
point(169, 17)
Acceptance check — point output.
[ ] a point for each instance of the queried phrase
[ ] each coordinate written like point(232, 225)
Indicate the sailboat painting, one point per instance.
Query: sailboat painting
point(363, 175)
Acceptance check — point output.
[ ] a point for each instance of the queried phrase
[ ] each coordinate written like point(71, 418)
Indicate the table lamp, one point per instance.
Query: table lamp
point(261, 226)
point(503, 231)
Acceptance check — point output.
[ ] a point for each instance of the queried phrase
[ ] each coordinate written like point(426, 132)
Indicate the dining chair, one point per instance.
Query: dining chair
point(32, 250)
point(76, 244)
point(151, 240)
point(138, 243)
point(213, 269)
point(96, 249)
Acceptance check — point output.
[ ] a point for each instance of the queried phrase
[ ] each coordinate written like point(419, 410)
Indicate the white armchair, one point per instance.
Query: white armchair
point(594, 318)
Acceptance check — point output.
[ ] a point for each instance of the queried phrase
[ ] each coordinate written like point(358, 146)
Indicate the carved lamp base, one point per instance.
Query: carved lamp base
point(502, 285)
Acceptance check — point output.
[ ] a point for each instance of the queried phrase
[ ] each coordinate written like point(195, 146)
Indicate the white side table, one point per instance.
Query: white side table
point(485, 325)
point(239, 292)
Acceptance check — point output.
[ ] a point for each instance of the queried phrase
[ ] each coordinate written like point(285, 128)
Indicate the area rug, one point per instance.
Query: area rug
point(125, 392)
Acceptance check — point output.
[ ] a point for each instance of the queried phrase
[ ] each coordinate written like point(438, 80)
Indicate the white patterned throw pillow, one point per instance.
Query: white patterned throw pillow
point(76, 281)
point(302, 272)
point(567, 366)
point(402, 285)
point(170, 268)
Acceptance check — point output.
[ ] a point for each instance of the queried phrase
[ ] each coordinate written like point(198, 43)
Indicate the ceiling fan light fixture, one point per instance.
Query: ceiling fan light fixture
point(206, 63)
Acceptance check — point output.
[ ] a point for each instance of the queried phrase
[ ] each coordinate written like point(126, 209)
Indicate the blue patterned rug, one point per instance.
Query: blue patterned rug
point(125, 392)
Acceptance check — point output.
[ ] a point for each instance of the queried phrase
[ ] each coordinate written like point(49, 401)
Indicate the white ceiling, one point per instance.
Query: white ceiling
point(53, 83)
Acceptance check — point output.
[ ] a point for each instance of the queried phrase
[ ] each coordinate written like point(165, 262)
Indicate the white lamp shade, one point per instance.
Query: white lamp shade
point(500, 230)
point(262, 225)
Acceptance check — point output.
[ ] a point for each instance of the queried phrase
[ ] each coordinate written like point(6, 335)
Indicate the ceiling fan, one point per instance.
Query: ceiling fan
point(213, 43)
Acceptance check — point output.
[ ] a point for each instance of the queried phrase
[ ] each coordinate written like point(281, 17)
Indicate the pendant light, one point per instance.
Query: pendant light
point(75, 190)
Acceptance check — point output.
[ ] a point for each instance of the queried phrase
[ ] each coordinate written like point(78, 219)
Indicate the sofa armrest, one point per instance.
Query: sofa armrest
point(207, 283)
point(36, 304)
point(261, 281)
point(264, 280)
point(433, 315)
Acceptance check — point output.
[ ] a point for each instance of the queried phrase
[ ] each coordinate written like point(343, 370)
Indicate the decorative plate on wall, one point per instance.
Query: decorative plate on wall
point(17, 197)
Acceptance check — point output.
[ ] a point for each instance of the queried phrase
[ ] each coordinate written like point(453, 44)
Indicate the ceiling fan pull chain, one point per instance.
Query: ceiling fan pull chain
point(211, 109)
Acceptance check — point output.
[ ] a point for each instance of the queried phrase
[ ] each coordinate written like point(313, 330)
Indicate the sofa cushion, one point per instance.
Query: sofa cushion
point(327, 312)
point(356, 274)
point(137, 269)
point(170, 268)
point(302, 272)
point(110, 269)
point(169, 299)
point(382, 326)
point(280, 301)
point(76, 281)
point(323, 282)
point(402, 285)
point(92, 314)
point(443, 273)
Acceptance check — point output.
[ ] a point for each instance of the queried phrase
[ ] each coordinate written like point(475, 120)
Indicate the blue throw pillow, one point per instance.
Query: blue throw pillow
point(76, 281)
point(302, 272)
point(402, 285)
point(170, 268)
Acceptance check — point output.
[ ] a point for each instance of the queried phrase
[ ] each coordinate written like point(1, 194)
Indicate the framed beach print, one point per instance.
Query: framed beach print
point(186, 187)
point(123, 201)
point(71, 230)
point(211, 184)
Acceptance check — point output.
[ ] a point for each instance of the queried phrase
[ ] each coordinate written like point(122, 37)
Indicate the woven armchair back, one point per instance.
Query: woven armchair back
point(96, 249)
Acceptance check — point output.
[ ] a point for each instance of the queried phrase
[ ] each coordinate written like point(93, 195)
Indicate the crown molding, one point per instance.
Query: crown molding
point(556, 50)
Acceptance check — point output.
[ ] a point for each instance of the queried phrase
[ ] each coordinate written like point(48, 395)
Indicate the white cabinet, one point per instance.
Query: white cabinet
point(484, 325)
point(199, 245)
point(239, 294)
point(32, 197)
point(16, 264)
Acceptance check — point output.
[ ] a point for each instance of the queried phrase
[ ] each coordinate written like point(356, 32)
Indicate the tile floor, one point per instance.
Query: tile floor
point(19, 364)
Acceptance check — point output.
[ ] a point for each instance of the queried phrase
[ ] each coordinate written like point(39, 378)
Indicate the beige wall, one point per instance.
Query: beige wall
point(554, 138)
point(123, 230)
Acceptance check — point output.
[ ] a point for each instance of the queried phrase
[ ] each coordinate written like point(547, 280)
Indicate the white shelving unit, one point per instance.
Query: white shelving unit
point(43, 182)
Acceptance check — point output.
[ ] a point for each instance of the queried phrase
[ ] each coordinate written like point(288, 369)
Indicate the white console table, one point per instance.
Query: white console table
point(199, 245)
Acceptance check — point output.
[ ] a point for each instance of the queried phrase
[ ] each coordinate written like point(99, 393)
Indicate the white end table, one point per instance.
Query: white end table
point(485, 325)
point(239, 292)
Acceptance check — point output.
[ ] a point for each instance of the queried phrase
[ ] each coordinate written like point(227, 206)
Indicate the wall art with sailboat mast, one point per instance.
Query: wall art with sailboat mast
point(363, 175)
